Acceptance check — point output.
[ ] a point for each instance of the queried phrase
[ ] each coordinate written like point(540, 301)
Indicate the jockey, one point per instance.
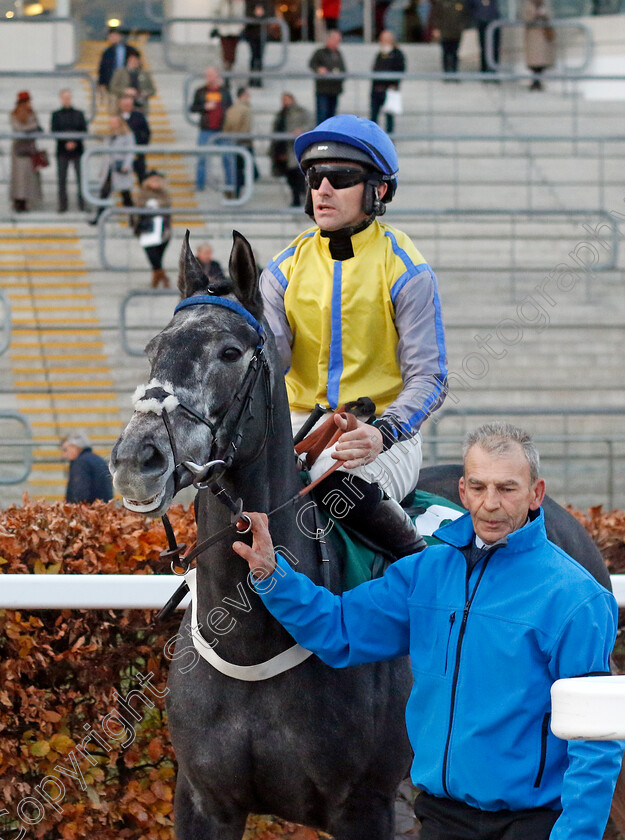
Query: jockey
point(355, 311)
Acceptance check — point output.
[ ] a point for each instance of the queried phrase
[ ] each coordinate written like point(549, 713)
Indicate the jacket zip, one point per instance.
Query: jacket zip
point(454, 685)
point(452, 619)
point(543, 749)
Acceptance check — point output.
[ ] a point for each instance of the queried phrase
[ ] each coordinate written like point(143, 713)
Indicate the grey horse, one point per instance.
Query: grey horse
point(313, 745)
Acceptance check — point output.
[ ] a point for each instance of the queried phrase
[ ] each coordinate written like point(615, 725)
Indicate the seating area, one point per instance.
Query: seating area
point(515, 199)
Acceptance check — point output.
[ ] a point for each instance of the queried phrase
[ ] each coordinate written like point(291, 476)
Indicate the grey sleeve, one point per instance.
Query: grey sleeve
point(272, 292)
point(421, 353)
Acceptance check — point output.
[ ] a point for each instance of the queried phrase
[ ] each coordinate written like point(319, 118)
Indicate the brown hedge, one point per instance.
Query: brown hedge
point(62, 674)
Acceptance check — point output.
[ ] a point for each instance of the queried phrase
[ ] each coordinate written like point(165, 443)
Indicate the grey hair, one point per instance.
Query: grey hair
point(498, 437)
point(77, 438)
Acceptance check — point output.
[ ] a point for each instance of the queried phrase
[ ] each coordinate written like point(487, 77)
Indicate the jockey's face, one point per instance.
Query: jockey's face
point(497, 491)
point(335, 209)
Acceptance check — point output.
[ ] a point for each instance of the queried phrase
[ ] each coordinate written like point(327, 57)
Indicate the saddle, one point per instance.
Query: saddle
point(364, 559)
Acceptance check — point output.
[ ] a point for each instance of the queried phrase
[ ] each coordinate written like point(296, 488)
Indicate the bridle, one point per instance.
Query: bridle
point(161, 399)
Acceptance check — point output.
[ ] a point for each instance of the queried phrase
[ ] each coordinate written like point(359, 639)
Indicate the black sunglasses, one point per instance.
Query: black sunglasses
point(340, 177)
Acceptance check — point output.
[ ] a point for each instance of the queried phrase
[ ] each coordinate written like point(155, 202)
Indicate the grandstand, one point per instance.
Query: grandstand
point(516, 199)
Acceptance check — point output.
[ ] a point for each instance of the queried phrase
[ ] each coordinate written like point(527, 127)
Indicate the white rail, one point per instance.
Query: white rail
point(87, 592)
point(116, 592)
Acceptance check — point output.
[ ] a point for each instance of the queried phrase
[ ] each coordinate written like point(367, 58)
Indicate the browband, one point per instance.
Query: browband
point(199, 300)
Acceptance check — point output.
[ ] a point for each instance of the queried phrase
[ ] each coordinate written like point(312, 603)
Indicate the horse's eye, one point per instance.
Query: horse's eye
point(231, 354)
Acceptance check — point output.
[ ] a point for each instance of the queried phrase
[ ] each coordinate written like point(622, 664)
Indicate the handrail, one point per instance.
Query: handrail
point(41, 74)
point(609, 250)
point(216, 21)
point(123, 308)
point(27, 446)
point(6, 330)
point(213, 148)
point(556, 24)
point(435, 439)
point(46, 20)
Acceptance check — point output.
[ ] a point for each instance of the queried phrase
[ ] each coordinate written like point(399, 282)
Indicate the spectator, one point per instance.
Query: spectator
point(238, 120)
point(138, 124)
point(389, 59)
point(448, 19)
point(540, 48)
point(256, 36)
point(484, 12)
point(294, 120)
point(154, 231)
point(229, 32)
point(133, 79)
point(116, 170)
point(491, 618)
point(211, 101)
point(89, 477)
point(212, 268)
point(325, 62)
point(331, 12)
point(25, 187)
point(113, 57)
point(68, 119)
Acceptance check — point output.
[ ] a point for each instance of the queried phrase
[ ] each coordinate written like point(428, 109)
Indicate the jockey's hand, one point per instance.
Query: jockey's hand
point(359, 447)
point(260, 555)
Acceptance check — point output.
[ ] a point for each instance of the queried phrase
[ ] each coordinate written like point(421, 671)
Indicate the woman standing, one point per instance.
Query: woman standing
point(25, 187)
point(230, 31)
point(540, 47)
point(389, 59)
point(116, 174)
point(154, 230)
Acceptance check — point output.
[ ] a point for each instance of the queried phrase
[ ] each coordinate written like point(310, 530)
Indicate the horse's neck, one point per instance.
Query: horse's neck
point(268, 482)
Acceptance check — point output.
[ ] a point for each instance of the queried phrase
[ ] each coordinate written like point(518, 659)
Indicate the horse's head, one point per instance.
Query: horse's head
point(204, 366)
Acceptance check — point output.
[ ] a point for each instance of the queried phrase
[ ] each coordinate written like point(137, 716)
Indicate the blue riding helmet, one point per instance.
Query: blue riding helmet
point(367, 144)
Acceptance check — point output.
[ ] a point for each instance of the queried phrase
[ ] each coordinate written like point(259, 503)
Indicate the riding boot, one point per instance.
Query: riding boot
point(155, 277)
point(389, 525)
point(164, 279)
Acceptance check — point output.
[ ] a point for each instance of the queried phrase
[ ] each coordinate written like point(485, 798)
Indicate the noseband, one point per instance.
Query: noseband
point(161, 399)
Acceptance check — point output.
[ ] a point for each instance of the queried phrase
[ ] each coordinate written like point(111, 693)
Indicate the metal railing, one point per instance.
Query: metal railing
point(5, 327)
point(214, 22)
point(596, 468)
point(47, 21)
point(562, 30)
point(215, 148)
point(44, 75)
point(11, 447)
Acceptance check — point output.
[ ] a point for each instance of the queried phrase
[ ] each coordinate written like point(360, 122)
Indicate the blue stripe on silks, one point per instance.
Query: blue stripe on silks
point(413, 270)
point(274, 265)
point(335, 359)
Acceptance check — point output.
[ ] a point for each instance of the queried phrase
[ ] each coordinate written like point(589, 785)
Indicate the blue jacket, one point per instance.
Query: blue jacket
point(485, 646)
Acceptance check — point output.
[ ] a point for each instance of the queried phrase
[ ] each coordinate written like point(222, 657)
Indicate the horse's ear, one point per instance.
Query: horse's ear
point(191, 276)
point(244, 275)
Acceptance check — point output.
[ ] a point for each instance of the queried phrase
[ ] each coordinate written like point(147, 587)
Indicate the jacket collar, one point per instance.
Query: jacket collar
point(460, 533)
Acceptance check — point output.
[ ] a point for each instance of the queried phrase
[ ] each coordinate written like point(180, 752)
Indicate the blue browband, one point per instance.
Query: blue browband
point(198, 300)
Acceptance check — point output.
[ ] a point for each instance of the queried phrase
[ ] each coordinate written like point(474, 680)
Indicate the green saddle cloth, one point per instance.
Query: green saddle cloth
point(362, 563)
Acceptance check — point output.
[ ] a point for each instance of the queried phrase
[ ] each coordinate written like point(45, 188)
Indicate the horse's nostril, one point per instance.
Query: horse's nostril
point(153, 460)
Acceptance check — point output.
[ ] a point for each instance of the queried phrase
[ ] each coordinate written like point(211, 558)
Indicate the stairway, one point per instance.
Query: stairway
point(60, 373)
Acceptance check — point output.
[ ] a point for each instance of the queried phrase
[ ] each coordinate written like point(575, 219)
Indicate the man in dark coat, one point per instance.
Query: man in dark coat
point(256, 36)
point(483, 12)
point(140, 128)
point(325, 63)
point(89, 476)
point(113, 57)
point(67, 119)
